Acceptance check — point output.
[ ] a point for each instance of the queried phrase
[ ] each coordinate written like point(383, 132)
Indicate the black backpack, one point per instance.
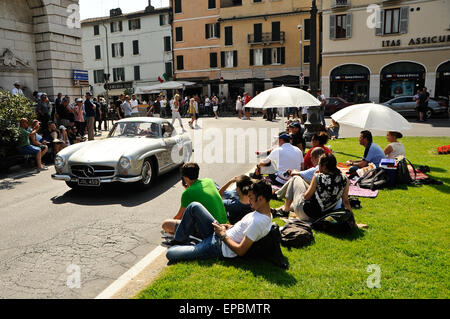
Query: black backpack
point(268, 248)
point(296, 234)
point(340, 222)
point(374, 179)
point(403, 177)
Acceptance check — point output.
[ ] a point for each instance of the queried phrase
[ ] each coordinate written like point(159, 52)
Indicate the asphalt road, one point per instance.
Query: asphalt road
point(47, 230)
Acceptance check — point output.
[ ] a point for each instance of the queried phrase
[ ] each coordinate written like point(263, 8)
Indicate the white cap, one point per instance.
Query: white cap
point(62, 127)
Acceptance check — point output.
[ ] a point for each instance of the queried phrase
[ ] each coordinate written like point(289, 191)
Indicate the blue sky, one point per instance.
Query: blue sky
point(100, 8)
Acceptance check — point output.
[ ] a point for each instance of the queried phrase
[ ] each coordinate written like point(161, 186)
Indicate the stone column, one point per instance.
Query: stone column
point(374, 88)
point(430, 83)
point(58, 45)
point(326, 88)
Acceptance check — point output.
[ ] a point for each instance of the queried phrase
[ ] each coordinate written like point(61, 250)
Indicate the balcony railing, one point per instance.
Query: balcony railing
point(338, 4)
point(266, 38)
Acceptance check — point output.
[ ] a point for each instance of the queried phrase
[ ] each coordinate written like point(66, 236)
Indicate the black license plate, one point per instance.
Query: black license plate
point(89, 182)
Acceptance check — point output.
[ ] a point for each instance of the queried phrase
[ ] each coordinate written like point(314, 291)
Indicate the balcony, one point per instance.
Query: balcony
point(340, 4)
point(266, 38)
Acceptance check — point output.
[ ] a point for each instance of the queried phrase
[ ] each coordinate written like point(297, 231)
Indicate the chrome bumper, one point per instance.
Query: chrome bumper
point(67, 178)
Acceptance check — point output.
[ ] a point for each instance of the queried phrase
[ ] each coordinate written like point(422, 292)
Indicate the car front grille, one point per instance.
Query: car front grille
point(92, 171)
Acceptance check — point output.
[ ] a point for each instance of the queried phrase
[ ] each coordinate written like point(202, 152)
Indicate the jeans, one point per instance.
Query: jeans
point(196, 217)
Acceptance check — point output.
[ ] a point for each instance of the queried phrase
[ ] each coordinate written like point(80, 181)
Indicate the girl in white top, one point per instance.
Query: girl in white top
point(239, 106)
point(395, 148)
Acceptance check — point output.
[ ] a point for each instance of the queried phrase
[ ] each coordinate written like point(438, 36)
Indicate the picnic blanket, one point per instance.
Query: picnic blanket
point(344, 168)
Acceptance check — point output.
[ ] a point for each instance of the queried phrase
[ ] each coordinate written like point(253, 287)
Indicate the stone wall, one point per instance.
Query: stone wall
point(35, 35)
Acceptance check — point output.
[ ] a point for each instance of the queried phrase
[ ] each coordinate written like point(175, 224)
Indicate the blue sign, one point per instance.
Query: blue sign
point(80, 75)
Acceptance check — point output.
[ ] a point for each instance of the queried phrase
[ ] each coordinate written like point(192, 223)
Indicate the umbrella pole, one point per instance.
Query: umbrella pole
point(282, 120)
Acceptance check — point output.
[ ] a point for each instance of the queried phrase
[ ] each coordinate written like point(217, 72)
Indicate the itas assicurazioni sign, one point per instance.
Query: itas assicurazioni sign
point(417, 41)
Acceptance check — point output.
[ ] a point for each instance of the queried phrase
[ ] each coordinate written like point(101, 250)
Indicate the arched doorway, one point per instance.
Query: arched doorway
point(401, 79)
point(443, 80)
point(350, 82)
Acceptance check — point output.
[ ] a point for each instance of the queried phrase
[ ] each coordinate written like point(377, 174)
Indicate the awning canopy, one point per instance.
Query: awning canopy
point(172, 85)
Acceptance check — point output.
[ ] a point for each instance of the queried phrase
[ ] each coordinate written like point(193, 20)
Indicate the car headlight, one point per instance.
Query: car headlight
point(59, 162)
point(124, 162)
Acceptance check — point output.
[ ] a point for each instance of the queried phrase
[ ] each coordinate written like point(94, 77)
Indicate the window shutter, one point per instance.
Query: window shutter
point(161, 19)
point(113, 51)
point(129, 25)
point(252, 58)
point(217, 29)
point(379, 22)
point(235, 58)
point(348, 27)
point(222, 59)
point(112, 27)
point(207, 35)
point(213, 60)
point(120, 26)
point(404, 15)
point(121, 49)
point(283, 55)
point(229, 36)
point(136, 47)
point(332, 27)
point(267, 56)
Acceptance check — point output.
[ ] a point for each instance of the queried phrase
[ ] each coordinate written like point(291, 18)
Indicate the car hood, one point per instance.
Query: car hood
point(110, 149)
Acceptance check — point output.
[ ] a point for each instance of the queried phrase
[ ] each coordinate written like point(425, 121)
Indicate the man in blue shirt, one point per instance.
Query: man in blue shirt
point(90, 114)
point(372, 154)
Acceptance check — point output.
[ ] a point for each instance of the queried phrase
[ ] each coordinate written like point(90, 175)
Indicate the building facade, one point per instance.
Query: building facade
point(134, 49)
point(378, 51)
point(40, 45)
point(261, 45)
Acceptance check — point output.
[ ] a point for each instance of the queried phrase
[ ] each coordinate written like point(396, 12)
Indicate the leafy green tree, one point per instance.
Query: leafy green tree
point(12, 109)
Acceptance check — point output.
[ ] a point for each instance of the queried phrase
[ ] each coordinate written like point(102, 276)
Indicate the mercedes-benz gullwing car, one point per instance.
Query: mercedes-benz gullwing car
point(135, 151)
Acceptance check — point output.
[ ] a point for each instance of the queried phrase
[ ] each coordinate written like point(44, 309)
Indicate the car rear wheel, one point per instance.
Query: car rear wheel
point(428, 113)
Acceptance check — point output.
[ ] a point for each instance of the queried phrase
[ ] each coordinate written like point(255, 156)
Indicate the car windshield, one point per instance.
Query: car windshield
point(135, 129)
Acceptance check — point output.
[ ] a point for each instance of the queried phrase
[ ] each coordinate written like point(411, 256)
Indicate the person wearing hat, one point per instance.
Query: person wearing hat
point(17, 90)
point(285, 157)
point(395, 148)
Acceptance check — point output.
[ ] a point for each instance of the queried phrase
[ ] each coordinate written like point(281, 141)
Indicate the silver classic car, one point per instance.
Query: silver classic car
point(135, 151)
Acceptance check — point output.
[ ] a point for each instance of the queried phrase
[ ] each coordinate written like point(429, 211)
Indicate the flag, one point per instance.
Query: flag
point(163, 78)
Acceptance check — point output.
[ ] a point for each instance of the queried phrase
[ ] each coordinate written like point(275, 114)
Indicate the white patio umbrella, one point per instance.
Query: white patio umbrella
point(371, 116)
point(171, 85)
point(283, 97)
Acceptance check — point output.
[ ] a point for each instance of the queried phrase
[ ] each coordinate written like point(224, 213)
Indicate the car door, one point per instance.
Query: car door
point(170, 142)
point(398, 105)
point(409, 106)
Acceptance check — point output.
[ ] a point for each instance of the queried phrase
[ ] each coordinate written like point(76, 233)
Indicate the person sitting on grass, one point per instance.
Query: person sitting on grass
point(236, 202)
point(223, 241)
point(395, 148)
point(24, 146)
point(203, 191)
point(372, 153)
point(328, 191)
point(333, 130)
point(294, 189)
point(318, 140)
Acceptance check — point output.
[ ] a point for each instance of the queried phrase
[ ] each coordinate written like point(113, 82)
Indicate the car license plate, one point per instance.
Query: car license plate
point(89, 182)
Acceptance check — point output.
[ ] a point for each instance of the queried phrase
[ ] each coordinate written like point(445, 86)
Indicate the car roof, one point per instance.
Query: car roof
point(143, 120)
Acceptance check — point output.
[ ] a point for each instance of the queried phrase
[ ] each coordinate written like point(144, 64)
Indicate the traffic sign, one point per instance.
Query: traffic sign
point(80, 75)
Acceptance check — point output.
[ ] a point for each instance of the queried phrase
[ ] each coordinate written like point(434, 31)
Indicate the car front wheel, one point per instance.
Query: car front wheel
point(148, 174)
point(428, 113)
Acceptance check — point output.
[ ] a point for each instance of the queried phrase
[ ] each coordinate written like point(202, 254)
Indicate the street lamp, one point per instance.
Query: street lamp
point(313, 73)
point(300, 28)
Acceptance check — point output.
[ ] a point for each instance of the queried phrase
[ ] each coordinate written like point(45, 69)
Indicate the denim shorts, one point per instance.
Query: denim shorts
point(29, 150)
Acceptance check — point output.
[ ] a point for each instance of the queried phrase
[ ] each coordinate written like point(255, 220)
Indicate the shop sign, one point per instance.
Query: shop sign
point(417, 41)
point(120, 85)
point(401, 76)
point(355, 77)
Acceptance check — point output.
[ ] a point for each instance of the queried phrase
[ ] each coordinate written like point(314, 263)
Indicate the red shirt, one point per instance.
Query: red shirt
point(308, 161)
point(247, 99)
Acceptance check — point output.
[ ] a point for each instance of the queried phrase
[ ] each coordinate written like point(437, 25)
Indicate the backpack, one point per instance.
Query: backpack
point(403, 175)
point(268, 248)
point(296, 234)
point(340, 222)
point(374, 179)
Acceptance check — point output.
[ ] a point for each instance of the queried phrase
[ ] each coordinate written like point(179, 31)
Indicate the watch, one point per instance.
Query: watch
point(222, 238)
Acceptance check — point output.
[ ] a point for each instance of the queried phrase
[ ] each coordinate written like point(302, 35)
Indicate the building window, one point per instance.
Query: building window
point(256, 1)
point(211, 4)
point(119, 74)
point(306, 53)
point(230, 3)
point(134, 24)
point(168, 67)
point(99, 76)
point(135, 47)
point(340, 26)
point(228, 35)
point(96, 29)
point(137, 73)
point(212, 30)
point(213, 60)
point(178, 8)
point(116, 26)
point(163, 19)
point(307, 28)
point(180, 62)
point(257, 32)
point(167, 44)
point(391, 21)
point(117, 50)
point(179, 34)
point(98, 52)
point(228, 59)
point(256, 56)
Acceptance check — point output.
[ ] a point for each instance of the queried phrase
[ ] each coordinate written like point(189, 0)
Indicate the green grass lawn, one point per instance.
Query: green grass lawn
point(408, 239)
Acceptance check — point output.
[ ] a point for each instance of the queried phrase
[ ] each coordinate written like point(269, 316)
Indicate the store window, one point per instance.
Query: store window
point(350, 82)
point(401, 79)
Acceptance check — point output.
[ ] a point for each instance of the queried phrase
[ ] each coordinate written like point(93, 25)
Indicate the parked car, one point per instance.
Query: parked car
point(335, 104)
point(406, 106)
point(135, 151)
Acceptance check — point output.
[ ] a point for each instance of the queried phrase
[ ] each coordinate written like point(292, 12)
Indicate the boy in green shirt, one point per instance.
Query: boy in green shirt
point(203, 191)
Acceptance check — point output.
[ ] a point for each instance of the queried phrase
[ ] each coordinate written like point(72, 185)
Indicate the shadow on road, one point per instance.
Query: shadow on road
point(123, 194)
point(434, 122)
